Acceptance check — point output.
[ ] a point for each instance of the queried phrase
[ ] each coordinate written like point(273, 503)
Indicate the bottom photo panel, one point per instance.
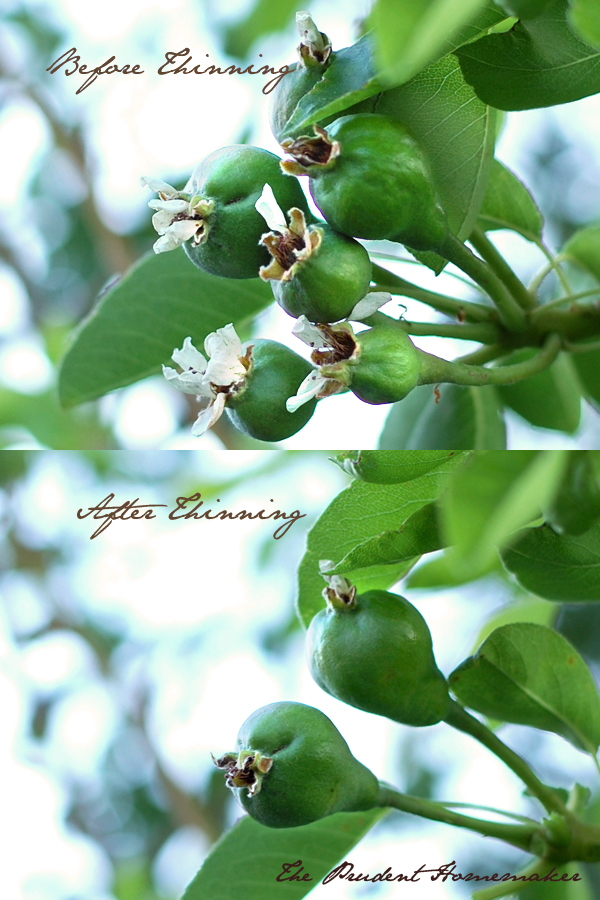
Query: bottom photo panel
point(269, 675)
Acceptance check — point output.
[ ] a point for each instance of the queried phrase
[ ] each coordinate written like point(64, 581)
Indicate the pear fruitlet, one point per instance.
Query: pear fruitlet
point(379, 185)
point(233, 178)
point(391, 466)
point(275, 374)
point(327, 286)
point(375, 653)
point(288, 93)
point(313, 773)
point(387, 367)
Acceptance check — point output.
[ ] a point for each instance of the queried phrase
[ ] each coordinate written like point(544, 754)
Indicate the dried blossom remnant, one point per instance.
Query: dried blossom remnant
point(289, 245)
point(213, 380)
point(244, 770)
point(333, 347)
point(339, 591)
point(314, 46)
point(306, 152)
point(178, 217)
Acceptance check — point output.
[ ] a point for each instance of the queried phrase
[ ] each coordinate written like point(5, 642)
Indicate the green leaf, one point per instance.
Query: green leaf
point(418, 535)
point(42, 417)
point(576, 505)
point(535, 64)
point(557, 567)
point(465, 418)
point(247, 860)
point(350, 78)
point(587, 366)
point(412, 33)
point(457, 133)
point(584, 16)
point(529, 609)
point(530, 675)
point(491, 496)
point(508, 204)
point(265, 17)
point(353, 77)
point(550, 399)
point(390, 466)
point(525, 9)
point(360, 512)
point(439, 573)
point(584, 248)
point(138, 323)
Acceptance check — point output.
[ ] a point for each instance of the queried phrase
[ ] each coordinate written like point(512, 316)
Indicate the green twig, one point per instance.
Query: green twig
point(519, 835)
point(483, 355)
point(539, 867)
point(553, 266)
point(552, 304)
point(472, 312)
point(511, 314)
point(460, 719)
point(485, 333)
point(435, 370)
point(498, 264)
point(581, 348)
point(481, 333)
point(492, 809)
point(411, 261)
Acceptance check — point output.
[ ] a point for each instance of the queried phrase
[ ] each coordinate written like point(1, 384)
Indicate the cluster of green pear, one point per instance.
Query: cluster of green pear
point(369, 179)
point(291, 765)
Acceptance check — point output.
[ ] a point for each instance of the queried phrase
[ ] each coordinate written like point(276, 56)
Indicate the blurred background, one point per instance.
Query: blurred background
point(126, 659)
point(72, 212)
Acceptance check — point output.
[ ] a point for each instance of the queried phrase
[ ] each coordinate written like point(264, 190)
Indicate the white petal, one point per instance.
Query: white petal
point(183, 230)
point(270, 210)
point(173, 206)
point(161, 221)
point(155, 184)
point(369, 304)
point(307, 30)
point(309, 333)
point(187, 382)
point(164, 243)
point(209, 416)
point(224, 348)
point(189, 358)
point(309, 388)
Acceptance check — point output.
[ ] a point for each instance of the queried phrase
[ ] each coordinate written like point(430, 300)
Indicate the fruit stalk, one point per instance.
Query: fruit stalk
point(518, 835)
point(498, 264)
point(435, 370)
point(459, 718)
point(511, 314)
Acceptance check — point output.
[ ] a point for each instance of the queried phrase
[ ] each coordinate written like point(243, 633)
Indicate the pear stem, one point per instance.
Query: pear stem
point(463, 721)
point(518, 835)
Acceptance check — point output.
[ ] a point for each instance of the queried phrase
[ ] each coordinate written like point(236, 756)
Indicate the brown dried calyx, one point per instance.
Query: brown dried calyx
point(245, 769)
point(307, 152)
point(340, 345)
point(290, 247)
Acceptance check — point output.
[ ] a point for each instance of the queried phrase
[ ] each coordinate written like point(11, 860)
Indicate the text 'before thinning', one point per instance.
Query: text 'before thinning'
point(173, 66)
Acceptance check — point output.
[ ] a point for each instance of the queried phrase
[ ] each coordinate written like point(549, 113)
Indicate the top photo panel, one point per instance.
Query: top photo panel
point(249, 225)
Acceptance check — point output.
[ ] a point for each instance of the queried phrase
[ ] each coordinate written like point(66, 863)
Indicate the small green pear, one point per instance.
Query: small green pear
point(291, 766)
